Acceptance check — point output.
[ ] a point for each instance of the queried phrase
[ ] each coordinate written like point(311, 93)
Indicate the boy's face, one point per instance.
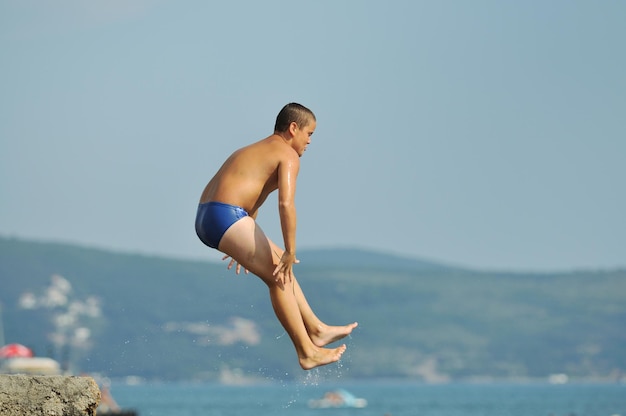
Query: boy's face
point(302, 136)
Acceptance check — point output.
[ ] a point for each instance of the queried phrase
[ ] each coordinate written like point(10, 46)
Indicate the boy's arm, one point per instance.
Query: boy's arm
point(287, 175)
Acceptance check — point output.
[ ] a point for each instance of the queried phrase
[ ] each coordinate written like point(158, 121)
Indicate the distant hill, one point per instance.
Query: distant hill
point(124, 314)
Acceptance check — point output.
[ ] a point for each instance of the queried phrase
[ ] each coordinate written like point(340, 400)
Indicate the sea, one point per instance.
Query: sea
point(384, 398)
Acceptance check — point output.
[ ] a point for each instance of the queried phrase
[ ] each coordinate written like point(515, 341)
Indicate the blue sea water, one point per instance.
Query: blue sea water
point(384, 398)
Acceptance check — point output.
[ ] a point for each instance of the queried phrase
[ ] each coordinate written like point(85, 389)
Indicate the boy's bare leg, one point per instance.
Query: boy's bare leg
point(320, 333)
point(247, 244)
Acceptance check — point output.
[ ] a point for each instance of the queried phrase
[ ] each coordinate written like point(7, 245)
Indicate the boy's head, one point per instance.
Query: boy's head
point(293, 113)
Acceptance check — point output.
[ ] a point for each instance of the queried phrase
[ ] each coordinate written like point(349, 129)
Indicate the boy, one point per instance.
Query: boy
point(226, 221)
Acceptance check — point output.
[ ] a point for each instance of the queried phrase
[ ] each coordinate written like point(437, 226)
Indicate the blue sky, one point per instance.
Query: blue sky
point(489, 134)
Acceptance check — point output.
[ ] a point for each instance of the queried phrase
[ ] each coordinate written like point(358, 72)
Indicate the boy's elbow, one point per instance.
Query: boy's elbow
point(286, 206)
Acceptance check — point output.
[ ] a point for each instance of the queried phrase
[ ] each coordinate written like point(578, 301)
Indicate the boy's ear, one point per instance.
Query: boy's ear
point(293, 126)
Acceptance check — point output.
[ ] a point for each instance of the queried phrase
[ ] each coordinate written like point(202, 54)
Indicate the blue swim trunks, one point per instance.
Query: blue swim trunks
point(214, 218)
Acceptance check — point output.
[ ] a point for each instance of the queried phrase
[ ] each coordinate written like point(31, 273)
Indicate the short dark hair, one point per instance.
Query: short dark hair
point(293, 112)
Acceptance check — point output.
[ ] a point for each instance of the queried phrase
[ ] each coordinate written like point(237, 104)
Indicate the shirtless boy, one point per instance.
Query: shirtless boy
point(226, 221)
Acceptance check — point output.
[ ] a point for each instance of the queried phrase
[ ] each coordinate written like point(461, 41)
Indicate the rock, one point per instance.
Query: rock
point(22, 395)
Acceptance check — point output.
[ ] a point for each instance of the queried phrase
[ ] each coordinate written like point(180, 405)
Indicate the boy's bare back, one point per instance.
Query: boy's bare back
point(251, 173)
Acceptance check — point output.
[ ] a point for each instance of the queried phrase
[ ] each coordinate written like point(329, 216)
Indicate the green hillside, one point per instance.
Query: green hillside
point(162, 318)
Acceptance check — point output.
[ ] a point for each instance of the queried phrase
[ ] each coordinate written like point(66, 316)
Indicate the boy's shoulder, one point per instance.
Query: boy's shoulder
point(277, 147)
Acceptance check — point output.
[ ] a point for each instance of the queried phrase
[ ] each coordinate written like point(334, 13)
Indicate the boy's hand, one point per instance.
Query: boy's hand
point(232, 262)
point(285, 267)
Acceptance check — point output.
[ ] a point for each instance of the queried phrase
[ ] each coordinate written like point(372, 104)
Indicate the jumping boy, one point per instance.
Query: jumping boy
point(226, 221)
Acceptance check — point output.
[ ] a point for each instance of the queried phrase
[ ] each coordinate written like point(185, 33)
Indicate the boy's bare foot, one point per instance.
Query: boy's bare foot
point(325, 334)
point(322, 356)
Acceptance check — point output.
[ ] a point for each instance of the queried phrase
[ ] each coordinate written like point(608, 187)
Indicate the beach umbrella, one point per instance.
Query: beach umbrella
point(15, 351)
